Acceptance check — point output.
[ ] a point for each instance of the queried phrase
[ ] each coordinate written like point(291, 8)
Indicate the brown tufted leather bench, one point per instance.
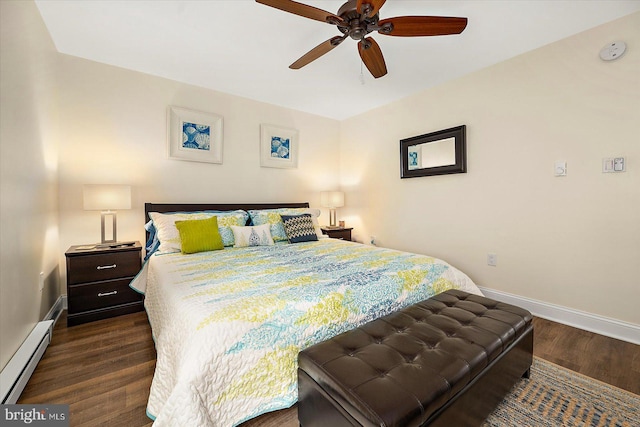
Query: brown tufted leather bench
point(446, 361)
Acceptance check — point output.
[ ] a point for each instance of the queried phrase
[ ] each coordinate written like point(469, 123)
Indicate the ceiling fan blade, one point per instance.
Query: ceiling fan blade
point(304, 10)
point(412, 26)
point(372, 57)
point(317, 52)
point(374, 4)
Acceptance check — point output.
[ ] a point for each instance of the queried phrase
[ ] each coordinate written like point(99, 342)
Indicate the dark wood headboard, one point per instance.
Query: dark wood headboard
point(194, 207)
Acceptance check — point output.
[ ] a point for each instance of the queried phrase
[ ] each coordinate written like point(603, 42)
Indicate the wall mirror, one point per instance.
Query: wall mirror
point(437, 153)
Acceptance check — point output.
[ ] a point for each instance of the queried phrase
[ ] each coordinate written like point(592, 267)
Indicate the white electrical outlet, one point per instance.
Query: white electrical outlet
point(492, 260)
point(41, 281)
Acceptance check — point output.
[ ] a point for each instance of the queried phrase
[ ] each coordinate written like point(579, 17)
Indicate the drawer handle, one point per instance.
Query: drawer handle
point(106, 294)
point(105, 267)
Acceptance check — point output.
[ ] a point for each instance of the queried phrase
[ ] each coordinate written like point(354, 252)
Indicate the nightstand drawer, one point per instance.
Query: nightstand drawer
point(338, 233)
point(341, 234)
point(95, 268)
point(101, 295)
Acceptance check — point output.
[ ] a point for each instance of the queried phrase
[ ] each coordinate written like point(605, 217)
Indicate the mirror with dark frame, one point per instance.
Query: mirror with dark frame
point(437, 153)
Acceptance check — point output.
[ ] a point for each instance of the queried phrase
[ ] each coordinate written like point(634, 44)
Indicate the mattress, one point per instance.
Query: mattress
point(228, 325)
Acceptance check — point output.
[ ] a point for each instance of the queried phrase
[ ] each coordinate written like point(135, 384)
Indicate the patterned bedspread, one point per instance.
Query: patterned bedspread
point(228, 325)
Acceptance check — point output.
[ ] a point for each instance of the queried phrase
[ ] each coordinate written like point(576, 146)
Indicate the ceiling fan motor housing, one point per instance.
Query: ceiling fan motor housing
point(358, 25)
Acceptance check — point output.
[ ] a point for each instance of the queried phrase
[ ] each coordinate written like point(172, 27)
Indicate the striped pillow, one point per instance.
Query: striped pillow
point(299, 228)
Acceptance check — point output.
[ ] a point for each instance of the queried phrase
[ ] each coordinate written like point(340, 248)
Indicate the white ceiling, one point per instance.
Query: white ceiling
point(244, 48)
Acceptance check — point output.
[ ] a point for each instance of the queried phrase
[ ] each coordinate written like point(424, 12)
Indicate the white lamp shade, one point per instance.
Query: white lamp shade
point(332, 199)
point(106, 197)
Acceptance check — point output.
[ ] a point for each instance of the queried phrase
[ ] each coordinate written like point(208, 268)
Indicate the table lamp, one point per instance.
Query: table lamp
point(332, 200)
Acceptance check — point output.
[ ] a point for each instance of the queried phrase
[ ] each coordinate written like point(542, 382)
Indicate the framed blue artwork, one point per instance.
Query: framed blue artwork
point(278, 147)
point(194, 135)
point(414, 158)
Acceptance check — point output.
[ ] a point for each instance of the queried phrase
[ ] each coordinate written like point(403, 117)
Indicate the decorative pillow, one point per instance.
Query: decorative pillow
point(226, 221)
point(272, 217)
point(299, 228)
point(168, 236)
point(199, 235)
point(258, 235)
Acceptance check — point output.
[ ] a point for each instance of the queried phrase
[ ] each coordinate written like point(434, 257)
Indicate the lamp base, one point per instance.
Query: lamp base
point(103, 215)
point(332, 218)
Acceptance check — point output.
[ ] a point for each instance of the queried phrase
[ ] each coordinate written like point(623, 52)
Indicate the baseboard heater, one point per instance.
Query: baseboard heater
point(15, 375)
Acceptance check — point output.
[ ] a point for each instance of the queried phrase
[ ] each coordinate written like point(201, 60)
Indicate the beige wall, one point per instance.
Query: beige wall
point(28, 174)
point(573, 241)
point(115, 132)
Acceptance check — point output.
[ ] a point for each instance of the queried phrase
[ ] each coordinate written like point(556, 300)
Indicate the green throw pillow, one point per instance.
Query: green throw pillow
point(199, 235)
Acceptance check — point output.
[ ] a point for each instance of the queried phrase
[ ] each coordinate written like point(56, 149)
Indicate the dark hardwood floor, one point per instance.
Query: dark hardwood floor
point(103, 369)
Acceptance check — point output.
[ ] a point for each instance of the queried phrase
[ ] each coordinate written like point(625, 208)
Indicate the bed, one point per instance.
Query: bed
point(228, 324)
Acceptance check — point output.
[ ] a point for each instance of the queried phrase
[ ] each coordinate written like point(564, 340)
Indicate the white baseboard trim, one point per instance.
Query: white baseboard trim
point(607, 326)
point(16, 373)
point(56, 310)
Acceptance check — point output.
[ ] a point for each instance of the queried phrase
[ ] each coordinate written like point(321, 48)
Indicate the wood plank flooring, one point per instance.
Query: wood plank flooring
point(606, 359)
point(103, 369)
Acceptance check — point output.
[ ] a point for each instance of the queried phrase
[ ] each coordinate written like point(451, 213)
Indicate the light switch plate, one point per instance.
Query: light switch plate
point(560, 168)
point(613, 165)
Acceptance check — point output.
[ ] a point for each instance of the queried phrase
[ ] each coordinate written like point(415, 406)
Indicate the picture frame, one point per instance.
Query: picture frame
point(194, 136)
point(278, 147)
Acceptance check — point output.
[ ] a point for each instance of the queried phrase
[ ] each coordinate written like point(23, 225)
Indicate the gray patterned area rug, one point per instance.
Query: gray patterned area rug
point(555, 396)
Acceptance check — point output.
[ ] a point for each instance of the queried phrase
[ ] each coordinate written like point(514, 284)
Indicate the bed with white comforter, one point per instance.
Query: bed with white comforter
point(228, 325)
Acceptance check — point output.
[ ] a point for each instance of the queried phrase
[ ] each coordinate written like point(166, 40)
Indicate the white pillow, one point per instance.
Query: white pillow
point(315, 213)
point(167, 233)
point(257, 235)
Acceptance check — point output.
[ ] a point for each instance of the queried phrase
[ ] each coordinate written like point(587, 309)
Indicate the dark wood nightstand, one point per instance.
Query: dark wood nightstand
point(98, 282)
point(338, 233)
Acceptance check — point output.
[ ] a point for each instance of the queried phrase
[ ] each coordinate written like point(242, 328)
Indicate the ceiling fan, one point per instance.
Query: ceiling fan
point(356, 19)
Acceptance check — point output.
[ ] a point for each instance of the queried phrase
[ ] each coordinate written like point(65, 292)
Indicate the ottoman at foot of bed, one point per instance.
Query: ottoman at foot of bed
point(446, 361)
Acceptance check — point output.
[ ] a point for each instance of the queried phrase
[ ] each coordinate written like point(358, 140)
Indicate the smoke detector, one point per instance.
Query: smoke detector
point(613, 51)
